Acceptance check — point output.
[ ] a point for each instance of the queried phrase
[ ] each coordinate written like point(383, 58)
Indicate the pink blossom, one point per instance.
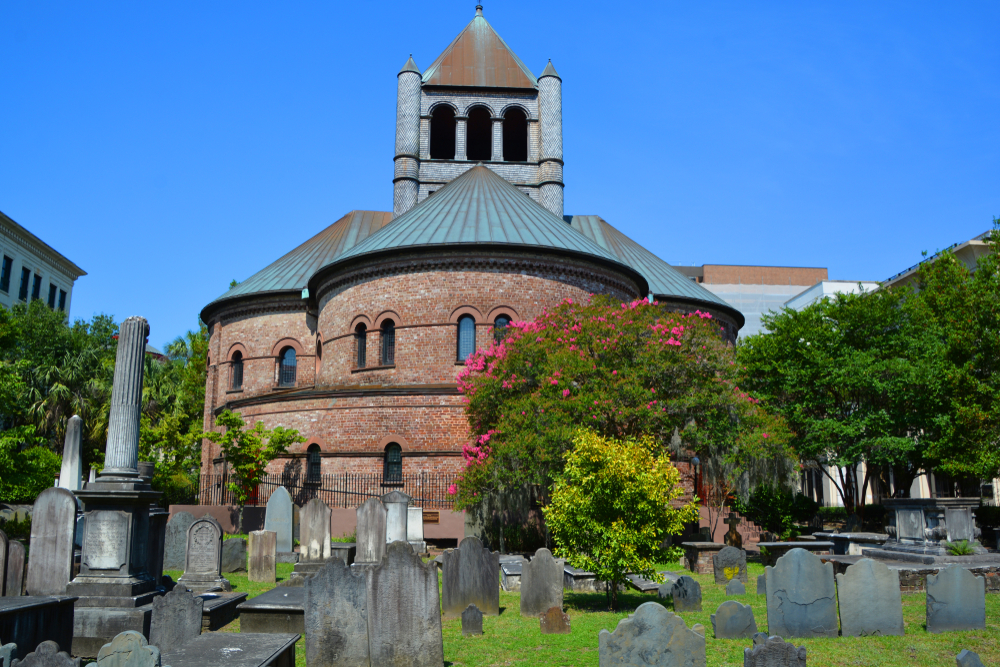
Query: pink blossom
point(452, 490)
point(614, 372)
point(565, 393)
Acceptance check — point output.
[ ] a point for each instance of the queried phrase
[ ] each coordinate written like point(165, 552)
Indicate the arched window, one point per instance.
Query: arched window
point(315, 467)
point(515, 136)
point(479, 135)
point(500, 327)
point(392, 464)
point(388, 343)
point(466, 337)
point(360, 344)
point(236, 371)
point(443, 133)
point(286, 367)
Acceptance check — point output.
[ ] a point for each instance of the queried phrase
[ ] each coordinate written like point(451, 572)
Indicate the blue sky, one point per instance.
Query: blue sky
point(168, 148)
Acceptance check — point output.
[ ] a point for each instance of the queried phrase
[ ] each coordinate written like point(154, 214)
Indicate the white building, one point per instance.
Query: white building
point(31, 269)
point(827, 288)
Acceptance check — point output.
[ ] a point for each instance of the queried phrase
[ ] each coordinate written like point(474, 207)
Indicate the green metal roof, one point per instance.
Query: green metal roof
point(550, 71)
point(664, 280)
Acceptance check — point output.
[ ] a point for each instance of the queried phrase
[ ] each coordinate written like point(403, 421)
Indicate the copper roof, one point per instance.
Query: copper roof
point(479, 57)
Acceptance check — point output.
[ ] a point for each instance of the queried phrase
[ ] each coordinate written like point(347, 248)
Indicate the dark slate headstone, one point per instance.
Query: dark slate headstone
point(371, 532)
point(472, 621)
point(870, 601)
point(967, 658)
point(234, 555)
point(53, 524)
point(736, 587)
point(4, 553)
point(314, 532)
point(176, 618)
point(762, 584)
point(801, 596)
point(47, 654)
point(263, 547)
point(773, 652)
point(278, 517)
point(554, 622)
point(128, 649)
point(666, 590)
point(15, 568)
point(686, 593)
point(733, 620)
point(956, 600)
point(541, 584)
point(203, 564)
point(651, 636)
point(336, 617)
point(470, 574)
point(730, 563)
point(176, 540)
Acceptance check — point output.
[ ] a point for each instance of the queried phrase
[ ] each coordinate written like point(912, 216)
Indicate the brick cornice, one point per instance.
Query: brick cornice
point(341, 392)
point(253, 304)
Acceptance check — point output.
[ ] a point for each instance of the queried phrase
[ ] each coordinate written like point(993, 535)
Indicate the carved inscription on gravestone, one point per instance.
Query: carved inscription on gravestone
point(202, 556)
point(106, 543)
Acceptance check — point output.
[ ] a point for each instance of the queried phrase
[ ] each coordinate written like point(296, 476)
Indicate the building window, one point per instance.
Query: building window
point(361, 345)
point(36, 287)
point(466, 337)
point(22, 292)
point(479, 135)
point(500, 325)
point(388, 343)
point(443, 133)
point(315, 467)
point(62, 300)
point(236, 371)
point(52, 296)
point(8, 264)
point(286, 367)
point(392, 464)
point(515, 136)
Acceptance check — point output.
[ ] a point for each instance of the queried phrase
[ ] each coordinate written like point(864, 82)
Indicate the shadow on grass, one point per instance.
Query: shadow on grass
point(598, 602)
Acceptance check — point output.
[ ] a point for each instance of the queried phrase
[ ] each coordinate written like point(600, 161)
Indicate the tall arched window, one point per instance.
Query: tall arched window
point(286, 367)
point(392, 464)
point(443, 133)
point(315, 467)
point(479, 135)
point(388, 343)
point(515, 136)
point(466, 336)
point(236, 371)
point(500, 327)
point(360, 345)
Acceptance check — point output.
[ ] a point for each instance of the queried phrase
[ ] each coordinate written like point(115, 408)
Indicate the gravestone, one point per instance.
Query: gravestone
point(371, 532)
point(472, 621)
point(733, 537)
point(203, 564)
point(736, 587)
point(870, 601)
point(651, 636)
point(397, 506)
point(666, 590)
point(176, 618)
point(7, 653)
point(47, 654)
point(4, 560)
point(967, 658)
point(336, 617)
point(176, 540)
point(53, 521)
point(278, 518)
point(415, 529)
point(762, 584)
point(314, 532)
point(541, 583)
point(773, 652)
point(686, 593)
point(554, 622)
point(801, 596)
point(15, 568)
point(730, 563)
point(234, 555)
point(128, 649)
point(733, 620)
point(262, 553)
point(404, 611)
point(956, 600)
point(470, 574)
point(71, 471)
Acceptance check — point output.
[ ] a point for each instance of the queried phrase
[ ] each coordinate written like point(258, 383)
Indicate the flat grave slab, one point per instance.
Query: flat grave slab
point(698, 555)
point(776, 550)
point(851, 544)
point(642, 584)
point(220, 609)
point(279, 610)
point(510, 574)
point(29, 620)
point(234, 650)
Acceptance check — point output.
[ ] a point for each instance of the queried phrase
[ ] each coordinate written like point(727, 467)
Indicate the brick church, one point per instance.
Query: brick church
point(354, 338)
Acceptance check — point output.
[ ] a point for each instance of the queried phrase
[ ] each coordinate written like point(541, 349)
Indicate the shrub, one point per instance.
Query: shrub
point(960, 548)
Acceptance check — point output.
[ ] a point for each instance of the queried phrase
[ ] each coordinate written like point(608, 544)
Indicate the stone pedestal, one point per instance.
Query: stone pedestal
point(922, 526)
point(698, 556)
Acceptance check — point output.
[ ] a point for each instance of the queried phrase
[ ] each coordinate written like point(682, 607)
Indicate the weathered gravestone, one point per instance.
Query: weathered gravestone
point(263, 545)
point(733, 620)
point(4, 560)
point(762, 584)
point(128, 649)
point(554, 622)
point(470, 574)
point(736, 587)
point(730, 563)
point(336, 617)
point(404, 611)
point(415, 529)
point(967, 658)
point(397, 515)
point(371, 532)
point(176, 540)
point(203, 565)
point(956, 600)
point(234, 555)
point(651, 636)
point(733, 537)
point(773, 652)
point(870, 601)
point(47, 655)
point(53, 521)
point(314, 531)
point(472, 621)
point(278, 518)
point(801, 596)
point(686, 593)
point(541, 584)
point(176, 618)
point(71, 471)
point(7, 653)
point(15, 568)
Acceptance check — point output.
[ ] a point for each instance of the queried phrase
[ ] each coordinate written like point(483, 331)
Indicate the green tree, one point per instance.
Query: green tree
point(611, 508)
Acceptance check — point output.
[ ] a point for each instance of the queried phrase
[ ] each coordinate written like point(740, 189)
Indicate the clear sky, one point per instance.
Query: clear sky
point(168, 148)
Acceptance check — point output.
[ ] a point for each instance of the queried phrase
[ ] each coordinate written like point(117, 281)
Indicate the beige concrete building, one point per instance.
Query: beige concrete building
point(31, 269)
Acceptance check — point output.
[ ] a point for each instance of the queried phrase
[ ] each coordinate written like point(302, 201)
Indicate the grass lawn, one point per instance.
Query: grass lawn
point(512, 640)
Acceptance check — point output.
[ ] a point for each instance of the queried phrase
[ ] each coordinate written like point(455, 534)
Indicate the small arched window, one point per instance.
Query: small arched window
point(466, 336)
point(360, 345)
point(392, 464)
point(388, 343)
point(500, 325)
point(236, 371)
point(479, 135)
point(515, 136)
point(313, 459)
point(443, 133)
point(286, 367)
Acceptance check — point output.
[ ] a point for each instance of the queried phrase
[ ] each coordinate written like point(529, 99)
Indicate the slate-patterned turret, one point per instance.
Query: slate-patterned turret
point(407, 161)
point(550, 164)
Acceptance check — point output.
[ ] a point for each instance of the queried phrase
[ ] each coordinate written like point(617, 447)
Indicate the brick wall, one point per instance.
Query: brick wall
point(718, 274)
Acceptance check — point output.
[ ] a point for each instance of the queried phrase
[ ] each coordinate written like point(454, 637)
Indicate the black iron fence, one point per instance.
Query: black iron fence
point(428, 490)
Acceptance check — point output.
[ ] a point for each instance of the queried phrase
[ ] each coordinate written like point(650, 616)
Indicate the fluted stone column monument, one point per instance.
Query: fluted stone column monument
point(114, 586)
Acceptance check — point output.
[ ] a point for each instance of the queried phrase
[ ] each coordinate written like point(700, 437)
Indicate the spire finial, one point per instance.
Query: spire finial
point(479, 10)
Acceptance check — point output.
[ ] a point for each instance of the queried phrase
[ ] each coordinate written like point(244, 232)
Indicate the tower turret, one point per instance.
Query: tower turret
point(550, 168)
point(407, 161)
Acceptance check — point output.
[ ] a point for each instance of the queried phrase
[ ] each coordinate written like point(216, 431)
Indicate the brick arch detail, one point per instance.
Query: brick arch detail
point(360, 319)
point(466, 310)
point(397, 438)
point(388, 315)
point(502, 310)
point(480, 103)
point(237, 347)
point(445, 103)
point(287, 342)
point(516, 105)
